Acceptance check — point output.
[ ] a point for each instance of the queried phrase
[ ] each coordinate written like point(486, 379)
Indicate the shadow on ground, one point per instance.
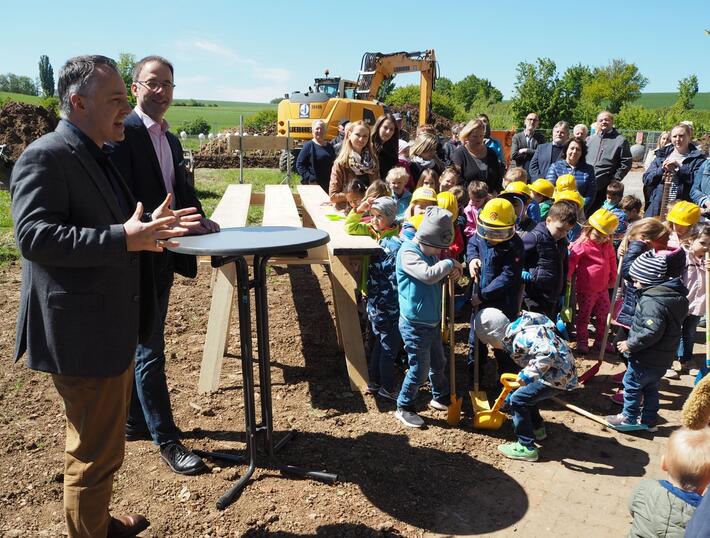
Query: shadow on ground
point(442, 492)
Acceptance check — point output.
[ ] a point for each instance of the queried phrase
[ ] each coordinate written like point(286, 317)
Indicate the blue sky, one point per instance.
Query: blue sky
point(256, 50)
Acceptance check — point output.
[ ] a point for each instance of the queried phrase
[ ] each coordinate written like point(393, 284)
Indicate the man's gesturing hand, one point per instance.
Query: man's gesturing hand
point(153, 235)
point(187, 218)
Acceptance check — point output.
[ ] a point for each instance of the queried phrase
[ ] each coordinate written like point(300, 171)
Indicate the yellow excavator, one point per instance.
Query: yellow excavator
point(333, 99)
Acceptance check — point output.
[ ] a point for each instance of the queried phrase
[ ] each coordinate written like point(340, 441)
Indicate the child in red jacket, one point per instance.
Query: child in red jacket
point(593, 260)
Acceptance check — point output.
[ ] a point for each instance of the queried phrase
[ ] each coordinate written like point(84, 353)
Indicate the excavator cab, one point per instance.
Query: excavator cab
point(336, 87)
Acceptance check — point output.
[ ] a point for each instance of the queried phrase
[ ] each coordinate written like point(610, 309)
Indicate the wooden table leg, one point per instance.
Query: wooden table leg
point(217, 328)
point(349, 322)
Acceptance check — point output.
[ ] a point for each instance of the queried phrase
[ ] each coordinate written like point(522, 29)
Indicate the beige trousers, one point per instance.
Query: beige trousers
point(96, 411)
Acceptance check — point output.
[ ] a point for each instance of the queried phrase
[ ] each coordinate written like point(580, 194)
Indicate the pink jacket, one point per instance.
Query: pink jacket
point(594, 265)
point(471, 213)
point(694, 280)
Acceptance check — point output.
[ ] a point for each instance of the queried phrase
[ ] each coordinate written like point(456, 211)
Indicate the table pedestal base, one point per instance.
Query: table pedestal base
point(262, 430)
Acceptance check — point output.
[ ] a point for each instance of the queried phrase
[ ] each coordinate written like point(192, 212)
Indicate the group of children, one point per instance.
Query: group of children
point(525, 249)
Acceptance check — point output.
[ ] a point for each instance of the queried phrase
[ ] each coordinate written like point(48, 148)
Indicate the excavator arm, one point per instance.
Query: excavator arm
point(376, 67)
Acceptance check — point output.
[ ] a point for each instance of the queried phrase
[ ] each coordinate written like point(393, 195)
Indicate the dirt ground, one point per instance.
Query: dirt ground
point(392, 481)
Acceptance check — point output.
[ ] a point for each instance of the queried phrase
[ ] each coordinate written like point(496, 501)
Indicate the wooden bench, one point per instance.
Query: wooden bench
point(342, 254)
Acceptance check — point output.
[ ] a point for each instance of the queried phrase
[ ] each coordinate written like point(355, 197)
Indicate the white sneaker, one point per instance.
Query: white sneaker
point(438, 406)
point(671, 374)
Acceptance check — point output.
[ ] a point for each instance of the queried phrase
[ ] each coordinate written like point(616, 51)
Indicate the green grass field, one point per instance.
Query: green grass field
point(31, 99)
point(660, 100)
point(224, 115)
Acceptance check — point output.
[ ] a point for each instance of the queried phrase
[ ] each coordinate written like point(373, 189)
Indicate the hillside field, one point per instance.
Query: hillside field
point(225, 114)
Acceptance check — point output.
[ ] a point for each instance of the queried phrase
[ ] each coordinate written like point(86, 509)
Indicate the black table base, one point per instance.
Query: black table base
point(262, 430)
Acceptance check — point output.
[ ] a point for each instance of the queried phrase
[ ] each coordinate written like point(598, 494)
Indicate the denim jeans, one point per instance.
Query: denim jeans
point(385, 348)
point(685, 348)
point(425, 353)
point(642, 381)
point(150, 403)
point(526, 416)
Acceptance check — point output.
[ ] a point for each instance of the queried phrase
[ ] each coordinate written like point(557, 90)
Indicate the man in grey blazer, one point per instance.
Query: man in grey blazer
point(84, 299)
point(525, 143)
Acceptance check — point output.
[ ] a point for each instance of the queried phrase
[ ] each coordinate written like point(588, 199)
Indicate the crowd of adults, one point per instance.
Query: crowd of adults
point(594, 160)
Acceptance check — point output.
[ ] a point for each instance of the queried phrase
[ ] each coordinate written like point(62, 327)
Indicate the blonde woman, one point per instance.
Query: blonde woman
point(356, 160)
point(477, 161)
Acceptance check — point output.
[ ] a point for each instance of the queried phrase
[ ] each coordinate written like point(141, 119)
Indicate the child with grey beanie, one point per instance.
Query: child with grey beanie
point(419, 277)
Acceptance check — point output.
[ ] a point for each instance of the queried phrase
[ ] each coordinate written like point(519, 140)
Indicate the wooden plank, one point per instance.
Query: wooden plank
point(349, 322)
point(217, 328)
point(279, 207)
point(233, 208)
point(315, 201)
point(252, 143)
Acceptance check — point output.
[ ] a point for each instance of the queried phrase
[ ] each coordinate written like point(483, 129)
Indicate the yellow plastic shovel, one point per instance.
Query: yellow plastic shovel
point(493, 419)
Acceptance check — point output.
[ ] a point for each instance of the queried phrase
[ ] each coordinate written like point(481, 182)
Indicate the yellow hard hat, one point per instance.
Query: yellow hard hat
point(566, 182)
point(416, 220)
point(446, 200)
point(684, 213)
point(543, 187)
point(519, 187)
point(424, 193)
point(604, 221)
point(496, 221)
point(569, 196)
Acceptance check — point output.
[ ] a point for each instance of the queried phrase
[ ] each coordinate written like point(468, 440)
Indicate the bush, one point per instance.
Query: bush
point(51, 104)
point(195, 127)
point(261, 121)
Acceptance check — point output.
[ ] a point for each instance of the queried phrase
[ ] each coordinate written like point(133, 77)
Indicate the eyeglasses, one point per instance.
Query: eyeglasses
point(154, 85)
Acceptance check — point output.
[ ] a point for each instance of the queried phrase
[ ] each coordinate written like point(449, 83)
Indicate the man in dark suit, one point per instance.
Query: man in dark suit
point(525, 143)
point(150, 160)
point(83, 300)
point(547, 154)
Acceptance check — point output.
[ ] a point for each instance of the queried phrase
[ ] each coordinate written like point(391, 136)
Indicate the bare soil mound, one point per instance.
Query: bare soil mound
point(21, 124)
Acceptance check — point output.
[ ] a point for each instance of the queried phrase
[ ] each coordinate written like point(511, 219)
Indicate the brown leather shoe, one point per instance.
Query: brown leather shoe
point(126, 526)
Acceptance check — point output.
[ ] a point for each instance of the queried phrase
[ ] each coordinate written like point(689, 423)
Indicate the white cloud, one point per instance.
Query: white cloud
point(277, 75)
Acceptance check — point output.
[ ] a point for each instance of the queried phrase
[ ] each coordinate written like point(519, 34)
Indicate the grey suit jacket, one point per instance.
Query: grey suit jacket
point(519, 143)
point(81, 289)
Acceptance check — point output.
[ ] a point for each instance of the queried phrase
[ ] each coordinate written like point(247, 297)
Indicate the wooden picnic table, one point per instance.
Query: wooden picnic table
point(342, 254)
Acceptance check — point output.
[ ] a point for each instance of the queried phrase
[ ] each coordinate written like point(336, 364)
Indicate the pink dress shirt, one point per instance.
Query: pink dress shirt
point(162, 150)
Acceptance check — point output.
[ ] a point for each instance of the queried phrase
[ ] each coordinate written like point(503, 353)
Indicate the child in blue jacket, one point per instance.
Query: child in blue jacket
point(495, 259)
point(546, 260)
point(382, 299)
point(419, 277)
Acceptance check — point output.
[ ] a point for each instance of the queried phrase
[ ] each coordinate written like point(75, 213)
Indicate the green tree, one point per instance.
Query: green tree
point(441, 103)
point(10, 82)
point(386, 88)
point(404, 95)
point(46, 76)
point(687, 90)
point(444, 85)
point(537, 89)
point(125, 64)
point(472, 88)
point(613, 85)
point(571, 86)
